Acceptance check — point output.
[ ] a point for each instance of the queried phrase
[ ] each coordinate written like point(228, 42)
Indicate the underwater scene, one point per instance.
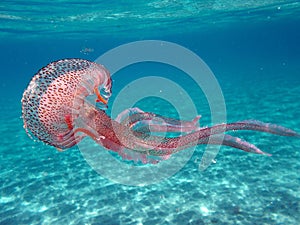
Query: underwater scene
point(150, 112)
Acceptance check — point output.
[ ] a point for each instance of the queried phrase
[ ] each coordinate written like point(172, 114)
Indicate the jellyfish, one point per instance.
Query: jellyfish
point(57, 110)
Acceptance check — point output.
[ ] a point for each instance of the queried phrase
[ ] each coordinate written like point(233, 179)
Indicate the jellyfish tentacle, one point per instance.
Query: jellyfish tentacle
point(138, 119)
point(266, 127)
point(231, 141)
point(239, 143)
point(253, 125)
point(159, 123)
point(167, 146)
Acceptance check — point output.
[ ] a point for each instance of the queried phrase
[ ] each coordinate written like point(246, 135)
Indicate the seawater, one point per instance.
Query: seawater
point(254, 53)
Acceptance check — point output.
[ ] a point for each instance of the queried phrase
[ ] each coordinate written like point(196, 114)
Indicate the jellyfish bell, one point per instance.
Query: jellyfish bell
point(54, 97)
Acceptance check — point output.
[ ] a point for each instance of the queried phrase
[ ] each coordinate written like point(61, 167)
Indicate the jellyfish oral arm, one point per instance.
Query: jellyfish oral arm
point(163, 146)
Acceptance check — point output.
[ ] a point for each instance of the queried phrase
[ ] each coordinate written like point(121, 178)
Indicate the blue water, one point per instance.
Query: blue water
point(254, 52)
